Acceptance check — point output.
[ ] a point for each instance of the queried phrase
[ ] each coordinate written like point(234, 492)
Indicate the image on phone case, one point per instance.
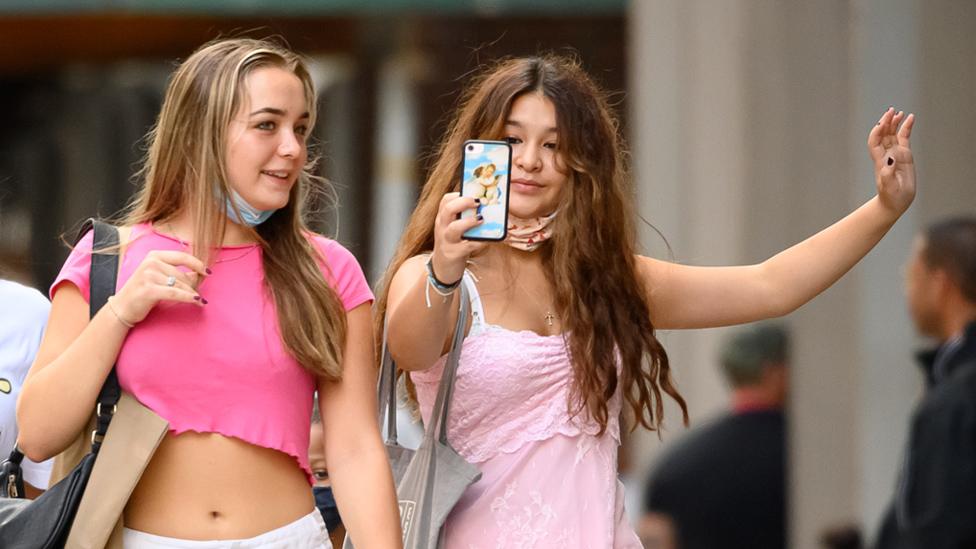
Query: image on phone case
point(486, 177)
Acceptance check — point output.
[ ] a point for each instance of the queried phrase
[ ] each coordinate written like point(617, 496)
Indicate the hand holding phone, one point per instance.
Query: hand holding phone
point(485, 175)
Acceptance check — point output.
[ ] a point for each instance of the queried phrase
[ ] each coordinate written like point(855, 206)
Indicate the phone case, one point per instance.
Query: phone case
point(485, 174)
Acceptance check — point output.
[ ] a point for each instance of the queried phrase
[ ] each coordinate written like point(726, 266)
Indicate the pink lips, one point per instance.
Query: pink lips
point(282, 177)
point(526, 186)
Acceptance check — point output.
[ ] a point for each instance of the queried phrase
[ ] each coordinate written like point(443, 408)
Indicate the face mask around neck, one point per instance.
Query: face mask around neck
point(250, 216)
point(326, 504)
point(529, 234)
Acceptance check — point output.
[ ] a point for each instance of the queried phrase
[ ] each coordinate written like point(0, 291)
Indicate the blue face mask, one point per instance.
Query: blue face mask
point(326, 504)
point(250, 216)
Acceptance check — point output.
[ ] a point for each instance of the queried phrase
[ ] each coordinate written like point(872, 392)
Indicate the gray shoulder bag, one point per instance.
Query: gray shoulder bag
point(431, 479)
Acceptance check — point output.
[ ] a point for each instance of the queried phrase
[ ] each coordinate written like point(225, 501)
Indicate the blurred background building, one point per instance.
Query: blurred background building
point(746, 118)
point(83, 82)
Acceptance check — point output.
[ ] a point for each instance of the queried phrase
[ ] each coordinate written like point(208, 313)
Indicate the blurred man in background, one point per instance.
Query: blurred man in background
point(23, 316)
point(935, 499)
point(724, 484)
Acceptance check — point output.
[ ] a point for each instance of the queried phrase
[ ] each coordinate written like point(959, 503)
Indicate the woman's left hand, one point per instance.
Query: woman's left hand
point(894, 169)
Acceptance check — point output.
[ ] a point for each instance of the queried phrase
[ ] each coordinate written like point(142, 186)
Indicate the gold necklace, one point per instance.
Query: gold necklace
point(549, 314)
point(250, 248)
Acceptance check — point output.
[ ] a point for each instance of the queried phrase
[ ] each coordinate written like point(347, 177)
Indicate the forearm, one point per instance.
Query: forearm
point(354, 452)
point(58, 397)
point(416, 332)
point(364, 491)
point(796, 275)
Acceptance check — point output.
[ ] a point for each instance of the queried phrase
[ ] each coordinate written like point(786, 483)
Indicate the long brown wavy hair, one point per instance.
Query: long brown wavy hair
point(185, 170)
point(590, 258)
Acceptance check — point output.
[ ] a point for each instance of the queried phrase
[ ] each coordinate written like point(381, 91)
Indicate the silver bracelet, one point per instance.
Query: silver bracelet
point(124, 322)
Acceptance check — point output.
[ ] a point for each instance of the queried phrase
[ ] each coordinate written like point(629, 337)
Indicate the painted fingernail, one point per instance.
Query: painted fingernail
point(891, 160)
point(477, 201)
point(204, 300)
point(197, 298)
point(481, 217)
point(208, 271)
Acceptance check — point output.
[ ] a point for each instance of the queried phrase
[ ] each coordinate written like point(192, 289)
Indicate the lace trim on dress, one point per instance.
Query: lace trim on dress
point(531, 405)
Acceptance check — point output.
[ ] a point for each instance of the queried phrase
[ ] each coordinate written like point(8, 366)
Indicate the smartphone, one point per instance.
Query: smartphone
point(485, 174)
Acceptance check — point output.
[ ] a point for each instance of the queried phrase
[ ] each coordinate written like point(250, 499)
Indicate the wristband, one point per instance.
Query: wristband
point(440, 287)
point(443, 290)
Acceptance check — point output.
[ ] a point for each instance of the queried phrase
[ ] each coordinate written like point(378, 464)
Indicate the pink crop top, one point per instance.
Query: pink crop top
point(221, 368)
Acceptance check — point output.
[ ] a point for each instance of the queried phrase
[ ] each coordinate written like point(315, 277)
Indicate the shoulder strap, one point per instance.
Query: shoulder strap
point(386, 386)
point(442, 404)
point(386, 394)
point(103, 278)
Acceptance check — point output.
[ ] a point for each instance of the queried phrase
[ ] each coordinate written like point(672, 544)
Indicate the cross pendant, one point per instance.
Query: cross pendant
point(549, 317)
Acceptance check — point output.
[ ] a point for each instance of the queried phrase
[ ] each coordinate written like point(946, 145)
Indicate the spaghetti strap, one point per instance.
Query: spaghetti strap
point(477, 309)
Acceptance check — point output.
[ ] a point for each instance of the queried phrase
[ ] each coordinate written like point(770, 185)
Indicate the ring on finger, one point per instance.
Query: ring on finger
point(171, 281)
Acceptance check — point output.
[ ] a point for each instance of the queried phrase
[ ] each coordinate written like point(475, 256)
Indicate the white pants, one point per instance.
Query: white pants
point(308, 532)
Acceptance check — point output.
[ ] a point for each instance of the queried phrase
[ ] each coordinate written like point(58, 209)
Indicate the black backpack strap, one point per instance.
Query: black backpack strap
point(102, 280)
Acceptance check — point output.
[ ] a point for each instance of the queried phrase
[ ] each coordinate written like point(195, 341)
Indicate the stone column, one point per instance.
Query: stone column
point(749, 122)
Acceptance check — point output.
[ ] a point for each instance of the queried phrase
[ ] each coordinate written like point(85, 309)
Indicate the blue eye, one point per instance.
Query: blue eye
point(266, 125)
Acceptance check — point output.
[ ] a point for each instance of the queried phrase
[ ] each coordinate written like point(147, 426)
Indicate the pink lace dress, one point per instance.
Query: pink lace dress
point(548, 480)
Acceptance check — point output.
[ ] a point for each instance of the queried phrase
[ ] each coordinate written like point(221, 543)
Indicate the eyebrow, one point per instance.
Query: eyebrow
point(277, 112)
point(520, 126)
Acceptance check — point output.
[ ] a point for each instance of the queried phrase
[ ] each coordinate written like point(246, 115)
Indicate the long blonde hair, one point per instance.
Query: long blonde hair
point(590, 259)
point(185, 170)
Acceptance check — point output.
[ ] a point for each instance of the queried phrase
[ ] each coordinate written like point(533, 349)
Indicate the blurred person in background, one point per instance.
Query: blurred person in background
point(564, 312)
point(724, 484)
point(230, 314)
point(23, 315)
point(322, 488)
point(934, 504)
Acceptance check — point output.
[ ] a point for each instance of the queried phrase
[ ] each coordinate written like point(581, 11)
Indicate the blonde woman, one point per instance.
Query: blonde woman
point(564, 312)
point(229, 315)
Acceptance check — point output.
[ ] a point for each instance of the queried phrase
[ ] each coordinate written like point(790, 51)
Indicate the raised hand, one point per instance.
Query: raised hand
point(894, 169)
point(162, 276)
point(451, 251)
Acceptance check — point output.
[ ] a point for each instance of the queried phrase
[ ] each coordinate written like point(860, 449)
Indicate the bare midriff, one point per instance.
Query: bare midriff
point(205, 486)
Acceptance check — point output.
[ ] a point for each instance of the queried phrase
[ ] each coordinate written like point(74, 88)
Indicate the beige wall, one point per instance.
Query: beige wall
point(748, 124)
